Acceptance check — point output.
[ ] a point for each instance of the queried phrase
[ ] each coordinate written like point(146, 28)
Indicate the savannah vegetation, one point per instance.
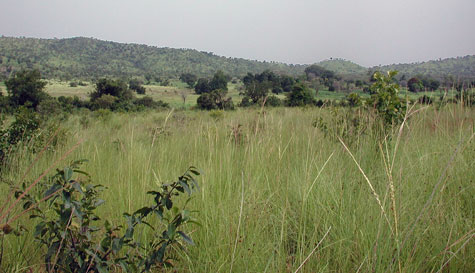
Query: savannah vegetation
point(308, 172)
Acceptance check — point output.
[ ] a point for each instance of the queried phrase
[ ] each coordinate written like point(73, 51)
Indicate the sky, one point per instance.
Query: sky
point(367, 32)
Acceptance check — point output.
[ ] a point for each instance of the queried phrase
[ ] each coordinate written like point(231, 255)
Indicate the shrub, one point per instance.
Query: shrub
point(25, 88)
point(68, 202)
point(390, 108)
point(354, 99)
point(273, 101)
point(105, 101)
point(215, 99)
point(300, 96)
point(114, 88)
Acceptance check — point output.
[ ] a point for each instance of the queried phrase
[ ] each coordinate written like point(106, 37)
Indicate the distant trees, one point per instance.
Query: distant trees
point(414, 85)
point(213, 92)
point(325, 76)
point(215, 99)
point(189, 79)
point(219, 81)
point(136, 85)
point(109, 92)
point(25, 88)
point(257, 87)
point(420, 83)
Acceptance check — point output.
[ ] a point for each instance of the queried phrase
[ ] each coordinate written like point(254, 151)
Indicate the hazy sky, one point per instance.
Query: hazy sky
point(368, 32)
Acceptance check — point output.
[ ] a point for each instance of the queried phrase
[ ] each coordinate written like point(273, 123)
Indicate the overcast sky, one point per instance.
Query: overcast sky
point(368, 32)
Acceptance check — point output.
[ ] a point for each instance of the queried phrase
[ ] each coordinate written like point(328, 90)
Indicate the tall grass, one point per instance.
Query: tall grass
point(278, 196)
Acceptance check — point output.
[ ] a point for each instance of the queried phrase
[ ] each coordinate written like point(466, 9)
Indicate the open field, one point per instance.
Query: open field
point(275, 190)
point(173, 94)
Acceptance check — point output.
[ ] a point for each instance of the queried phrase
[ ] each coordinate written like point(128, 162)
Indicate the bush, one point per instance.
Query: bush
point(25, 88)
point(354, 99)
point(390, 108)
point(215, 99)
point(300, 96)
point(68, 202)
point(273, 101)
point(148, 102)
point(136, 85)
point(105, 101)
point(114, 88)
point(25, 128)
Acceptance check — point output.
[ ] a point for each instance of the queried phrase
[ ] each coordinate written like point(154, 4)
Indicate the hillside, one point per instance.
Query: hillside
point(344, 67)
point(88, 58)
point(459, 67)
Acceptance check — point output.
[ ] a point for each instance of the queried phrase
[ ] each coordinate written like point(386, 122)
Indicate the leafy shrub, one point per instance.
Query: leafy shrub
point(245, 102)
point(105, 101)
point(148, 102)
point(300, 96)
point(25, 88)
point(346, 124)
point(215, 99)
point(136, 85)
point(25, 128)
point(75, 239)
point(114, 88)
point(354, 100)
point(273, 101)
point(389, 107)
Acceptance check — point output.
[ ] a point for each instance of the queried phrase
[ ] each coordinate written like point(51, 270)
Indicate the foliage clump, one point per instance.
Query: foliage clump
point(75, 239)
point(385, 100)
point(25, 88)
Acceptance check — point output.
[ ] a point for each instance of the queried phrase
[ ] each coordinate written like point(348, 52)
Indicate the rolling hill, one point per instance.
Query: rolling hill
point(89, 58)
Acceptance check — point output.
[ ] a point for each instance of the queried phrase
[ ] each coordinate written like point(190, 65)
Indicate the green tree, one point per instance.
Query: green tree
point(300, 95)
point(189, 78)
point(136, 85)
point(219, 81)
point(414, 85)
point(115, 88)
point(26, 88)
point(215, 99)
point(202, 86)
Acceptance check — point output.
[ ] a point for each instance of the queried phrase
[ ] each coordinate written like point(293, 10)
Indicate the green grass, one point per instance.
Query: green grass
point(273, 185)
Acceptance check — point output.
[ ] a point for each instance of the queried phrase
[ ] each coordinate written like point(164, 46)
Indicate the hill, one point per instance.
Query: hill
point(89, 58)
point(343, 67)
point(459, 67)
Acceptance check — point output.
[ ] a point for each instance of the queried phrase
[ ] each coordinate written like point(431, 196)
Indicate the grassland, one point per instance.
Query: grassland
point(174, 93)
point(275, 190)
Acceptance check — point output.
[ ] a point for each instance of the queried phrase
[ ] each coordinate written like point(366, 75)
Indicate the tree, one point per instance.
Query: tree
point(26, 88)
point(136, 85)
point(316, 71)
point(202, 86)
point(189, 79)
point(115, 88)
point(300, 95)
point(219, 81)
point(414, 85)
point(325, 76)
point(256, 87)
point(215, 99)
